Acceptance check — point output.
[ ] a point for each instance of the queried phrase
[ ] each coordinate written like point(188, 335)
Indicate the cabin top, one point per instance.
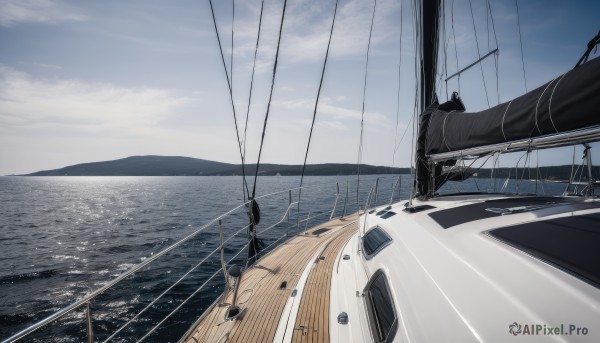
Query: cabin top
point(460, 256)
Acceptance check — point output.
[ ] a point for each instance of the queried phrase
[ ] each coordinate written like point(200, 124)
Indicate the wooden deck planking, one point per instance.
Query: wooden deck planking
point(262, 311)
point(255, 314)
point(293, 272)
point(251, 279)
point(313, 313)
point(275, 299)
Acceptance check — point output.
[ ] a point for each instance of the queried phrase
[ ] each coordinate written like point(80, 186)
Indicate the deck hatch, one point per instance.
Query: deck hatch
point(420, 208)
point(317, 232)
point(388, 214)
point(374, 241)
point(569, 243)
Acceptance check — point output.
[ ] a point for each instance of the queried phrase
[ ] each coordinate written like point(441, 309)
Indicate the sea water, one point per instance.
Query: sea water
point(64, 237)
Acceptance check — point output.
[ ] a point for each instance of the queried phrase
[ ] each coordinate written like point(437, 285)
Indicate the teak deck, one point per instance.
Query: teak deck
point(262, 300)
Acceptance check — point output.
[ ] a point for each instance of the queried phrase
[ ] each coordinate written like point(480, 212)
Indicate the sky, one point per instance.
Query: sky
point(85, 81)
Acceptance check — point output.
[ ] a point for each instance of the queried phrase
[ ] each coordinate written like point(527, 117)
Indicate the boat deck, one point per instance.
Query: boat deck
point(263, 298)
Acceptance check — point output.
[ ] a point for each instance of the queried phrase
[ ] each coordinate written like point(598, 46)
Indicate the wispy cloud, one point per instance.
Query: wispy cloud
point(26, 102)
point(306, 30)
point(13, 12)
point(332, 115)
point(46, 65)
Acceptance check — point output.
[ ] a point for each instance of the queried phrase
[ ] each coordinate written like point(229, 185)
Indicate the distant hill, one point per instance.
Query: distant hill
point(187, 166)
point(140, 166)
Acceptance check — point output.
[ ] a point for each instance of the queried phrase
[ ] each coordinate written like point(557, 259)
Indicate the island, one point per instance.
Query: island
point(153, 165)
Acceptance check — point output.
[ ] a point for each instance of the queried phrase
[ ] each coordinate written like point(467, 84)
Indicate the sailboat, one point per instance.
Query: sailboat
point(459, 267)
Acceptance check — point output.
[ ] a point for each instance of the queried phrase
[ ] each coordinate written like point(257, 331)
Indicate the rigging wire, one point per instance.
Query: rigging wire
point(590, 46)
point(495, 165)
point(262, 139)
point(312, 125)
point(230, 95)
point(453, 31)
point(404, 132)
point(444, 67)
point(232, 35)
point(571, 178)
point(243, 157)
point(253, 209)
point(252, 81)
point(466, 168)
point(479, 55)
point(517, 179)
point(416, 34)
point(396, 144)
point(487, 23)
point(573, 173)
point(441, 31)
point(489, 6)
point(497, 78)
point(538, 176)
point(521, 43)
point(412, 120)
point(362, 117)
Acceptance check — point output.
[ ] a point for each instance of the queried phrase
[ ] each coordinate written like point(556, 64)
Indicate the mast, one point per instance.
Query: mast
point(428, 30)
point(429, 54)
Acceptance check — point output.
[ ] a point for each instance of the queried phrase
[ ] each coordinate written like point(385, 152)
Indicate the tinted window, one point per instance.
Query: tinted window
point(570, 243)
point(381, 309)
point(375, 240)
point(388, 214)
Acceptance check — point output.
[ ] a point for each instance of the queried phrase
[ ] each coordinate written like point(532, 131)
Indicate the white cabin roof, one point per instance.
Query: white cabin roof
point(461, 284)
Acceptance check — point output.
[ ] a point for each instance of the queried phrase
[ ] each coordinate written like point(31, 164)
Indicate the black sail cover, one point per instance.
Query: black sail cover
point(569, 102)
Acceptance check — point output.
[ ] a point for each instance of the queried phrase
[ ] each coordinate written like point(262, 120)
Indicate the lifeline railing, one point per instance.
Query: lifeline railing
point(86, 300)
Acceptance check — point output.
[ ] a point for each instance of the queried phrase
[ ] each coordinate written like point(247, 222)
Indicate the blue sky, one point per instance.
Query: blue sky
point(100, 80)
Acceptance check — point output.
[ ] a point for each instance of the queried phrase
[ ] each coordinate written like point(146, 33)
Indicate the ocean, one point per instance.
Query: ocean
point(64, 237)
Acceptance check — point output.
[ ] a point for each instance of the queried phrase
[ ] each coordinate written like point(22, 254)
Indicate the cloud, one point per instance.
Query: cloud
point(37, 11)
point(332, 115)
point(47, 66)
point(29, 102)
point(306, 30)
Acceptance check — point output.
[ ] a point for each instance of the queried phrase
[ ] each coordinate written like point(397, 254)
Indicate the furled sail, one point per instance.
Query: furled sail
point(569, 102)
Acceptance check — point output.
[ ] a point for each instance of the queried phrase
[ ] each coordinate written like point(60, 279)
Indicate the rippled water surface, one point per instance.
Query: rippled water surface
point(63, 237)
